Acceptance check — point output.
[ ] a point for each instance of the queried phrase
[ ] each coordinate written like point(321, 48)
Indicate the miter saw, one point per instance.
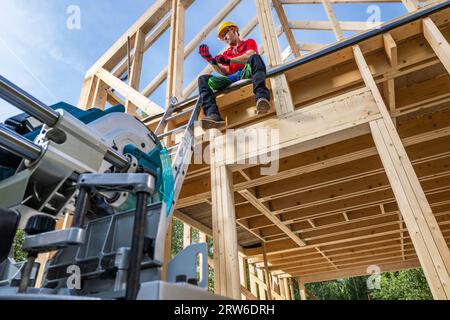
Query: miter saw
point(115, 178)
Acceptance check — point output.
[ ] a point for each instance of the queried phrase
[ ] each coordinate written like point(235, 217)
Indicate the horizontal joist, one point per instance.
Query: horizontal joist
point(328, 25)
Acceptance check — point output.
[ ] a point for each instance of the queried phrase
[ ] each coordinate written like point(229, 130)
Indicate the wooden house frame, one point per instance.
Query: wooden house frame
point(363, 148)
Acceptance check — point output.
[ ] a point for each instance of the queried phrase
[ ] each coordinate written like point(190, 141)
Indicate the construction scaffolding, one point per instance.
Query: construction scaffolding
point(363, 146)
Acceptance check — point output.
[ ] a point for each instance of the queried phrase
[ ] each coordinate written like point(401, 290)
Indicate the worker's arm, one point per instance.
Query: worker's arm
point(244, 58)
point(223, 70)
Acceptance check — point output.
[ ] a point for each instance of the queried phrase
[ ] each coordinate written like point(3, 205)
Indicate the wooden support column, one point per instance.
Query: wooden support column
point(285, 24)
point(267, 272)
point(390, 48)
point(301, 288)
point(422, 226)
point(87, 93)
point(243, 273)
point(187, 235)
point(176, 52)
point(134, 77)
point(287, 291)
point(224, 225)
point(437, 41)
point(291, 288)
point(280, 89)
point(253, 286)
point(262, 289)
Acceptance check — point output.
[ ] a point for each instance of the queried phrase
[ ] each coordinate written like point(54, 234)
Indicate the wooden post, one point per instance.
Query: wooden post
point(262, 289)
point(422, 226)
point(243, 272)
point(187, 235)
point(291, 288)
point(253, 286)
point(176, 52)
point(437, 41)
point(301, 288)
point(226, 261)
point(287, 291)
point(134, 77)
point(280, 89)
point(267, 272)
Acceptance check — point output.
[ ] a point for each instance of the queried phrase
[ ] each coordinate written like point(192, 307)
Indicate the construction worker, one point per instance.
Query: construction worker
point(240, 61)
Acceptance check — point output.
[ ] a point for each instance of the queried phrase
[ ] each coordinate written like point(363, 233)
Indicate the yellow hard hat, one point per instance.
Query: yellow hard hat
point(223, 26)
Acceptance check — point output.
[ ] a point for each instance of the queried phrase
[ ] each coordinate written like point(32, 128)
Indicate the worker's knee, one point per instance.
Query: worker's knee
point(257, 63)
point(256, 59)
point(203, 80)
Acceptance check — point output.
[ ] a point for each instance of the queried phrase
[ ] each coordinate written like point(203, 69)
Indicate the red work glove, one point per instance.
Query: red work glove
point(204, 52)
point(222, 60)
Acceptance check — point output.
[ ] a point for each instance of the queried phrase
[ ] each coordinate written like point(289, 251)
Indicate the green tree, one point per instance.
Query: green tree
point(403, 285)
point(19, 254)
point(400, 285)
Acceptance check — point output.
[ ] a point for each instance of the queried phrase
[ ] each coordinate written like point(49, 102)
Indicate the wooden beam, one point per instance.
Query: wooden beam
point(281, 92)
point(187, 235)
point(167, 249)
point(250, 197)
point(176, 52)
point(118, 51)
point(243, 273)
point(100, 95)
point(193, 223)
point(87, 92)
point(253, 284)
point(224, 228)
point(129, 93)
point(437, 41)
point(334, 1)
point(192, 45)
point(328, 25)
point(428, 240)
point(358, 271)
point(301, 288)
point(285, 24)
point(262, 286)
point(332, 17)
point(267, 273)
point(136, 69)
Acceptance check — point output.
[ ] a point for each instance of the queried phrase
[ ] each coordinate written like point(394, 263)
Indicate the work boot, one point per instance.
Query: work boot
point(213, 121)
point(262, 106)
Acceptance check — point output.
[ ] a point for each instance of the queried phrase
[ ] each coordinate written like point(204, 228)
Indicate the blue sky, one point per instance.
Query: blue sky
point(41, 55)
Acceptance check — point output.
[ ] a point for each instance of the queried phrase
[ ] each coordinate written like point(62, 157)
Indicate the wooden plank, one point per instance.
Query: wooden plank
point(243, 274)
point(428, 240)
point(281, 92)
point(430, 255)
point(358, 271)
point(437, 41)
point(175, 73)
point(332, 17)
point(136, 69)
point(268, 214)
point(301, 288)
point(287, 31)
point(193, 223)
point(328, 25)
point(87, 93)
point(224, 227)
point(262, 286)
point(253, 285)
point(267, 273)
point(129, 93)
point(187, 235)
point(100, 95)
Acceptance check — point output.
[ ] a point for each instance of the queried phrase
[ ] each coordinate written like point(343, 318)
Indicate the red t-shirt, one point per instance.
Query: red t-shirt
point(241, 49)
